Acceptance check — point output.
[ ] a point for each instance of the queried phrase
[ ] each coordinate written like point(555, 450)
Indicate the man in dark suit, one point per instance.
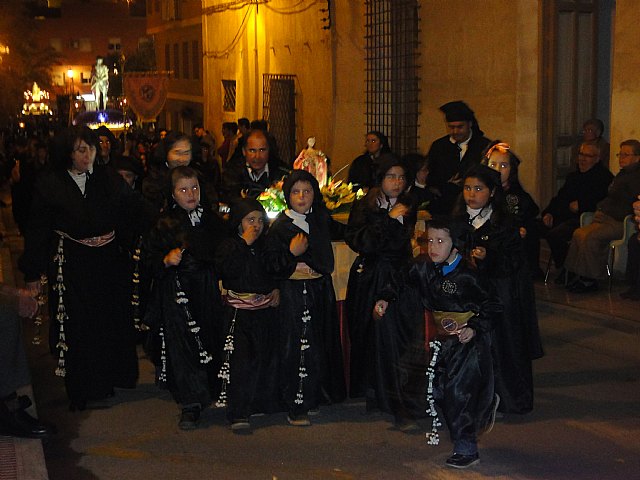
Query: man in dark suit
point(256, 172)
point(452, 155)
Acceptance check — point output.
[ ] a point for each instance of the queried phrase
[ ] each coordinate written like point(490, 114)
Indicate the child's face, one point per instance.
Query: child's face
point(394, 182)
point(500, 163)
point(186, 193)
point(439, 245)
point(253, 220)
point(476, 193)
point(301, 197)
point(422, 174)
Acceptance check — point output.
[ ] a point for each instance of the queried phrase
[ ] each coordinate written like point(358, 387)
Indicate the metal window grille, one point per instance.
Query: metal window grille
point(279, 110)
point(176, 60)
point(229, 100)
point(185, 60)
point(392, 93)
point(197, 59)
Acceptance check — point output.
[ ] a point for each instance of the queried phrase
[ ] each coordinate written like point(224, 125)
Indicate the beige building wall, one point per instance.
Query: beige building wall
point(488, 56)
point(476, 51)
point(270, 42)
point(625, 81)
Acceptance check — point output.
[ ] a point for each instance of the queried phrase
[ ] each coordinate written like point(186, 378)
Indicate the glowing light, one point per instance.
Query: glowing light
point(70, 73)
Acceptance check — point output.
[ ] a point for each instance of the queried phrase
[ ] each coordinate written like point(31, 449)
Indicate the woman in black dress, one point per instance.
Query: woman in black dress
point(77, 208)
point(362, 171)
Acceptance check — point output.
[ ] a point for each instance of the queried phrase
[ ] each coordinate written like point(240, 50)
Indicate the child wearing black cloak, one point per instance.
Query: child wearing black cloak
point(299, 254)
point(460, 373)
point(249, 371)
point(184, 310)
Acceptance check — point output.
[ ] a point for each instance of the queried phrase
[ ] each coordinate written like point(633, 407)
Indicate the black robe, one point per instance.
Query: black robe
point(99, 335)
point(383, 245)
point(253, 363)
point(188, 377)
point(324, 382)
point(525, 211)
point(463, 383)
point(362, 171)
point(516, 340)
point(445, 163)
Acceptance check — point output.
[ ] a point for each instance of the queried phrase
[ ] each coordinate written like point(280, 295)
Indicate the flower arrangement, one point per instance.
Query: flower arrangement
point(272, 199)
point(339, 196)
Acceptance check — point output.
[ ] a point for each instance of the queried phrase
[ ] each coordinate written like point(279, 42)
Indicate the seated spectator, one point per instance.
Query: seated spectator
point(592, 131)
point(362, 171)
point(633, 260)
point(587, 257)
point(581, 192)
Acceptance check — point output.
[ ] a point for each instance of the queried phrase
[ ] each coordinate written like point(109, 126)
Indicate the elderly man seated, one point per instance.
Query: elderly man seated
point(587, 257)
point(581, 192)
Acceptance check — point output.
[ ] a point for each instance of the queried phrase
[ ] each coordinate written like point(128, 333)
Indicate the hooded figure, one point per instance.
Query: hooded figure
point(300, 255)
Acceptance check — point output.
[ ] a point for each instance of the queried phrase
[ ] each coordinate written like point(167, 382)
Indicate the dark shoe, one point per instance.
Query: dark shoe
point(239, 424)
point(189, 418)
point(313, 412)
point(457, 460)
point(299, 420)
point(582, 286)
point(20, 424)
point(494, 411)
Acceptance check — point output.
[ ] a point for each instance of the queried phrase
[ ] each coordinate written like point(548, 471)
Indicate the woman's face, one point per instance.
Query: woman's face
point(186, 193)
point(179, 154)
point(476, 193)
point(439, 245)
point(253, 220)
point(394, 182)
point(82, 156)
point(500, 163)
point(301, 197)
point(372, 144)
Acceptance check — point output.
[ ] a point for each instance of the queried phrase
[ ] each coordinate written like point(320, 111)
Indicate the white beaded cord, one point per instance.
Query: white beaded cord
point(304, 345)
point(433, 437)
point(225, 369)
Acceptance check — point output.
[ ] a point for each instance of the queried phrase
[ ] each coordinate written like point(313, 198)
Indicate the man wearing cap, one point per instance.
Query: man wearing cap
point(452, 155)
point(108, 146)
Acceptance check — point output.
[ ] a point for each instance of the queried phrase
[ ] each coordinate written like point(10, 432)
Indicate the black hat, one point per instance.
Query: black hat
point(129, 164)
point(457, 111)
point(103, 131)
point(241, 207)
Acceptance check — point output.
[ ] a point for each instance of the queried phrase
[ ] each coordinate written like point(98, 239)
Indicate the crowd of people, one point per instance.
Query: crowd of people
point(240, 313)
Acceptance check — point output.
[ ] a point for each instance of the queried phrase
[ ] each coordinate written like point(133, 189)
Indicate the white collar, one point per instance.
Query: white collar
point(462, 144)
point(299, 219)
point(388, 205)
point(255, 176)
point(479, 216)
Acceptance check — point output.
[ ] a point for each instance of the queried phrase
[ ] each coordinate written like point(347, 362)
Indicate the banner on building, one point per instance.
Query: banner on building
point(146, 93)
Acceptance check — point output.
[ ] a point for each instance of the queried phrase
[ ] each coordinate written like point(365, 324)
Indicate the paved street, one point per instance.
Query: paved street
point(585, 425)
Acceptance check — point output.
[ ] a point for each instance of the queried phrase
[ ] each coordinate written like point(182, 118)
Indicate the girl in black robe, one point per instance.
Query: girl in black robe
point(380, 228)
point(517, 201)
point(185, 310)
point(249, 371)
point(363, 169)
point(497, 249)
point(299, 254)
point(461, 368)
point(72, 235)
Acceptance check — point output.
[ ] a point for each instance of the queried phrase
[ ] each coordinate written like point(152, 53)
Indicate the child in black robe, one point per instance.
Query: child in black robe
point(498, 252)
point(184, 309)
point(299, 254)
point(249, 371)
point(461, 369)
point(517, 201)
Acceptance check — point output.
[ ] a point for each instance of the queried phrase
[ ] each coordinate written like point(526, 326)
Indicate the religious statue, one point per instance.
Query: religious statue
point(314, 162)
point(100, 83)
